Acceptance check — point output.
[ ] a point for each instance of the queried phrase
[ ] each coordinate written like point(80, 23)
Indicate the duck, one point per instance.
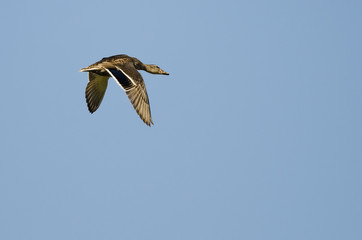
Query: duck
point(124, 70)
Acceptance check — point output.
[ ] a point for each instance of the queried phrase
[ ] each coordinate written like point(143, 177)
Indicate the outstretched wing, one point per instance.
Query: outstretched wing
point(139, 99)
point(132, 83)
point(95, 90)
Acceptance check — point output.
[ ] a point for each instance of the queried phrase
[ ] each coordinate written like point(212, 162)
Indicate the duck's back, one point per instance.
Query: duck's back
point(110, 62)
point(115, 58)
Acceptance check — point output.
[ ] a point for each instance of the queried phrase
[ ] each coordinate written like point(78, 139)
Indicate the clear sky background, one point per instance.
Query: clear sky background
point(258, 127)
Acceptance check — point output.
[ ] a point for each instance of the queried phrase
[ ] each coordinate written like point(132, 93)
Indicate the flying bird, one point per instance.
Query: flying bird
point(123, 69)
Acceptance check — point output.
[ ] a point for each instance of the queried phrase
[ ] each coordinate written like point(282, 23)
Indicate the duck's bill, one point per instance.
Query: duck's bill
point(164, 73)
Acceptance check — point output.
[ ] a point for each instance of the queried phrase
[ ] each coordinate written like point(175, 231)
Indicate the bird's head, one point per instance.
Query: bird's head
point(154, 69)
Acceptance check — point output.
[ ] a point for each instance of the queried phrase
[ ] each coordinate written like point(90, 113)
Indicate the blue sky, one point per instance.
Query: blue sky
point(257, 129)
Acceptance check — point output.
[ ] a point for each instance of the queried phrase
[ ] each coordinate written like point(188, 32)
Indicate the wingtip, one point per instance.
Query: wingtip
point(150, 123)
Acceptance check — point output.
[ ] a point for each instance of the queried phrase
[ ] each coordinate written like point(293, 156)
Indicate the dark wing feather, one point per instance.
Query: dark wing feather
point(121, 79)
point(95, 90)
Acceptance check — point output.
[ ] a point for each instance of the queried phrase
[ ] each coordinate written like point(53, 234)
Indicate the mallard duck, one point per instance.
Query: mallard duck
point(123, 69)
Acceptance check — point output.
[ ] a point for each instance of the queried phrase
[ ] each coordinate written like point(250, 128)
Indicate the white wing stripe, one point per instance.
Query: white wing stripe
point(120, 69)
point(110, 73)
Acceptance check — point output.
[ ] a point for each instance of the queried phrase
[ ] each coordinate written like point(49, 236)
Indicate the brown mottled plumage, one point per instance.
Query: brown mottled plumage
point(124, 70)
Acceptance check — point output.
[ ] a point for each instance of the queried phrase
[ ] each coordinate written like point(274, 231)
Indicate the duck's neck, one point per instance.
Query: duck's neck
point(148, 68)
point(141, 66)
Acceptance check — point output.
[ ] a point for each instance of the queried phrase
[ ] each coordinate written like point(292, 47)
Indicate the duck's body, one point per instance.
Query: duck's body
point(124, 70)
